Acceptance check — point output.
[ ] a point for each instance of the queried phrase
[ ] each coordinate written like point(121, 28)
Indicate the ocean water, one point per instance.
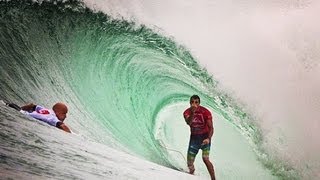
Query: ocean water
point(126, 85)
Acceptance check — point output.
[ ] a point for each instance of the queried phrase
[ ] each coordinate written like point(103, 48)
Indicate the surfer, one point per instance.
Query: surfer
point(199, 119)
point(54, 117)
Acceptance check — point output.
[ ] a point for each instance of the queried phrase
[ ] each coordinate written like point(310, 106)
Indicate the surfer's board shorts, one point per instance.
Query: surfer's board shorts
point(195, 145)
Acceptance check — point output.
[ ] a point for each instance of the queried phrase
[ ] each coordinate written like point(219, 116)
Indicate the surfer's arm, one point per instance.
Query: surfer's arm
point(211, 129)
point(188, 117)
point(29, 107)
point(64, 127)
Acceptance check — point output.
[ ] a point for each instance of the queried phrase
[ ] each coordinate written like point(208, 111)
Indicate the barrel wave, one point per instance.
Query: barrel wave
point(125, 84)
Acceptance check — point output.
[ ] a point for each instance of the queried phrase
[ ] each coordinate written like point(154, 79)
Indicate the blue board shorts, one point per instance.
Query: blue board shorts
point(195, 144)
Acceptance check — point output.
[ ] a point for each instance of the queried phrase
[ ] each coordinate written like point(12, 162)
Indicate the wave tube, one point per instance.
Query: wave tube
point(126, 86)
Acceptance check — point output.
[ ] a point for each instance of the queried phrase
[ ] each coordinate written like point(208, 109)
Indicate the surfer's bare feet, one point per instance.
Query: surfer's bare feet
point(191, 169)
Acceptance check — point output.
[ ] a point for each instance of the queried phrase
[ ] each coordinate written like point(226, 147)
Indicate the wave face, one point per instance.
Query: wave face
point(125, 86)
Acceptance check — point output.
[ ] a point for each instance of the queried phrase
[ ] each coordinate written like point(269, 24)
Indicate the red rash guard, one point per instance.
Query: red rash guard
point(198, 124)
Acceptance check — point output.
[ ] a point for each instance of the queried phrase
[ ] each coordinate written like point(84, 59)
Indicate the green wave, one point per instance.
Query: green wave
point(115, 75)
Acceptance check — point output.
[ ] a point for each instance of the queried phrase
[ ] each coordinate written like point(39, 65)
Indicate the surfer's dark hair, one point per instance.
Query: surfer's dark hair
point(194, 97)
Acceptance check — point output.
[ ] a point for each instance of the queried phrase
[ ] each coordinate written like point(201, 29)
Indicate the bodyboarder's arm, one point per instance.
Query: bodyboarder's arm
point(63, 127)
point(29, 107)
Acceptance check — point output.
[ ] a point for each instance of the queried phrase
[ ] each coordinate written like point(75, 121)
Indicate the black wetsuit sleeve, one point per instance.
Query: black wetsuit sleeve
point(58, 124)
point(14, 106)
point(34, 108)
